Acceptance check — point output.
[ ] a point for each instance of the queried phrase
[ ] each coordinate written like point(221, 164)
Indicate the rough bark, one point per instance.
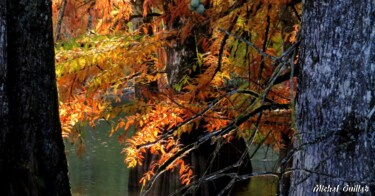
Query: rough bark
point(336, 94)
point(32, 151)
point(3, 95)
point(180, 58)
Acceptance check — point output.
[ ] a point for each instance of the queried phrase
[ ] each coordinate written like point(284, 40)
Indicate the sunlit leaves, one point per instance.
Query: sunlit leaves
point(117, 73)
point(90, 78)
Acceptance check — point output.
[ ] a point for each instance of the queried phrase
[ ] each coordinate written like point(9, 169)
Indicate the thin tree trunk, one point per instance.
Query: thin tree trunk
point(336, 129)
point(59, 20)
point(32, 151)
point(3, 96)
point(288, 20)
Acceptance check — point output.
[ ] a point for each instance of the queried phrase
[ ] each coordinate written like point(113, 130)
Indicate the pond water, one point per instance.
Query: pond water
point(100, 171)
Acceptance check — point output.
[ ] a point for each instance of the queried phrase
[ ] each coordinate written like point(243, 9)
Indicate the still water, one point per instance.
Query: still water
point(100, 171)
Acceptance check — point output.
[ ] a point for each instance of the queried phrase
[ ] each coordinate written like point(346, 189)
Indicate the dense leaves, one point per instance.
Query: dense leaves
point(111, 66)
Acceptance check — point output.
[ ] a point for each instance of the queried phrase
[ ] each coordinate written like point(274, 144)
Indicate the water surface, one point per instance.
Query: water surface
point(100, 171)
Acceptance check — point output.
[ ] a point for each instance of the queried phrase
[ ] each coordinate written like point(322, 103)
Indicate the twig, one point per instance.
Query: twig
point(226, 36)
point(217, 175)
point(249, 43)
point(235, 123)
point(176, 127)
point(274, 58)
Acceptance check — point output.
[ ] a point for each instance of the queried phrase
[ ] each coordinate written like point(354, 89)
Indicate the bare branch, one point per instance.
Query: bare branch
point(274, 58)
point(235, 123)
point(250, 44)
point(217, 175)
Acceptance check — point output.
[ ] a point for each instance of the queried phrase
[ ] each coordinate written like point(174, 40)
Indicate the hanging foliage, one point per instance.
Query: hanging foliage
point(111, 65)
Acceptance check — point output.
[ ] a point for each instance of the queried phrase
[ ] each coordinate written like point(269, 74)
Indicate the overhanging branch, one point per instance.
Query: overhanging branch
point(235, 123)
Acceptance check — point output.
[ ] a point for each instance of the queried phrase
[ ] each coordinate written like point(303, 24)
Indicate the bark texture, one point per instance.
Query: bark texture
point(336, 129)
point(32, 151)
point(3, 95)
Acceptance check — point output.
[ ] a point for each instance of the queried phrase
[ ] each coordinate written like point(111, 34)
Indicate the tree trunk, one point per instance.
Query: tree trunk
point(180, 56)
point(336, 94)
point(3, 96)
point(60, 19)
point(31, 147)
point(288, 20)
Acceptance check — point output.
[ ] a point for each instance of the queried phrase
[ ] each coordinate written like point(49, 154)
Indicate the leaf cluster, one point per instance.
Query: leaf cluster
point(240, 84)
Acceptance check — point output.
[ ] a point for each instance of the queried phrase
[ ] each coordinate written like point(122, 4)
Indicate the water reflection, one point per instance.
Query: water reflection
point(101, 171)
point(264, 160)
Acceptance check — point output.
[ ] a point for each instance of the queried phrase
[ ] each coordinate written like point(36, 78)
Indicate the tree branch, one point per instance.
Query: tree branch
point(274, 58)
point(226, 36)
point(141, 16)
point(175, 128)
point(250, 44)
point(235, 123)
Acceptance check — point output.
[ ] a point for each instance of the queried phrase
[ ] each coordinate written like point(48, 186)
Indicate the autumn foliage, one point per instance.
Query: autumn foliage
point(111, 66)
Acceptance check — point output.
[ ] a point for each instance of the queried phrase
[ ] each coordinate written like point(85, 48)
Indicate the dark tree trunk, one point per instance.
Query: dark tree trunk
point(4, 129)
point(167, 183)
point(180, 57)
point(60, 19)
point(31, 147)
point(288, 20)
point(228, 154)
point(336, 100)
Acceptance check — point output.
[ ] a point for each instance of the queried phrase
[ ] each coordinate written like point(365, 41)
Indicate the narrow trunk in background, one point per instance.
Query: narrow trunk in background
point(288, 19)
point(32, 152)
point(336, 94)
point(3, 95)
point(60, 19)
